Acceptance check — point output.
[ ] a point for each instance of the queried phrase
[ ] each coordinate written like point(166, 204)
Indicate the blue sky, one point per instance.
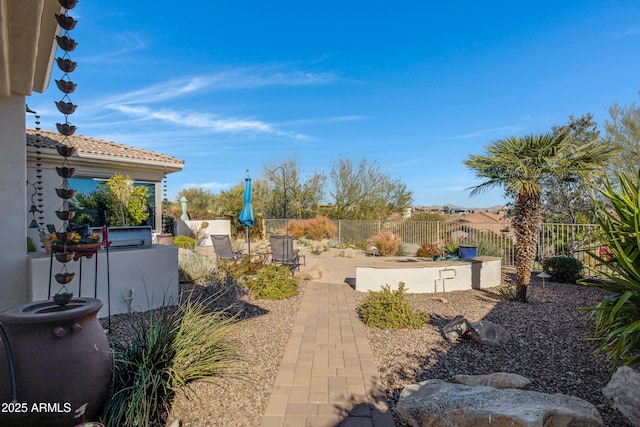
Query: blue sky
point(415, 85)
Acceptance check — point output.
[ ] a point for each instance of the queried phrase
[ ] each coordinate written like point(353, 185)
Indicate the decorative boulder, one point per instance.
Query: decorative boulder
point(496, 380)
point(624, 390)
point(348, 253)
point(437, 403)
point(455, 329)
point(488, 333)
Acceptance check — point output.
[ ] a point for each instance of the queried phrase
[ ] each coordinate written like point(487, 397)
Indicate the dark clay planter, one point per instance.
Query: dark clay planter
point(61, 359)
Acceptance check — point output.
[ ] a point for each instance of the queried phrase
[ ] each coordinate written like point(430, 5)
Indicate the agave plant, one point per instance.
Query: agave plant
point(617, 316)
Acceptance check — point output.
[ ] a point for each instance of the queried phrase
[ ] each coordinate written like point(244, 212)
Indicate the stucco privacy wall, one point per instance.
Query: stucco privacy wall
point(214, 226)
point(13, 210)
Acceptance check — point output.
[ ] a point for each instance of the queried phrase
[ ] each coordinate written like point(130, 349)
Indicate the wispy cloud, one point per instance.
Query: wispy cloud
point(502, 130)
point(124, 42)
point(324, 120)
point(211, 122)
point(139, 104)
point(234, 79)
point(629, 32)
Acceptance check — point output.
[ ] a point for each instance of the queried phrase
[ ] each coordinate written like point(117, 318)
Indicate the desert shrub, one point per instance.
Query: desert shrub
point(389, 309)
point(429, 250)
point(243, 269)
point(617, 316)
point(165, 350)
point(386, 243)
point(194, 267)
point(362, 244)
point(274, 282)
point(317, 228)
point(507, 293)
point(296, 228)
point(184, 242)
point(563, 269)
point(305, 242)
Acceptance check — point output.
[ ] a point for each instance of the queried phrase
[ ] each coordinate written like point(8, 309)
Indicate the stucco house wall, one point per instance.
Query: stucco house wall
point(27, 38)
point(27, 51)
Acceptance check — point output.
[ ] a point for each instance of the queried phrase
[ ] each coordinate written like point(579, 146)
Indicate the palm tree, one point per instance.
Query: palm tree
point(520, 165)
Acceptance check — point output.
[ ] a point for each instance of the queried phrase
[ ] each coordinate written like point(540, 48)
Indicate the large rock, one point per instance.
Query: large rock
point(348, 253)
point(437, 403)
point(624, 390)
point(497, 380)
point(488, 333)
point(455, 329)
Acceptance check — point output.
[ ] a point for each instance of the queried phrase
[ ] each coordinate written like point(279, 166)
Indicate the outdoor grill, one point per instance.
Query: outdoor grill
point(128, 237)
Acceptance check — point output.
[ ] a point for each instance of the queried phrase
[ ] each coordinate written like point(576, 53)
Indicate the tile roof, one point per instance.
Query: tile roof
point(85, 144)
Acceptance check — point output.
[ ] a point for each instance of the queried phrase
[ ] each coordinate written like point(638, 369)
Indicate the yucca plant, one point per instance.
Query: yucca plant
point(168, 348)
point(617, 316)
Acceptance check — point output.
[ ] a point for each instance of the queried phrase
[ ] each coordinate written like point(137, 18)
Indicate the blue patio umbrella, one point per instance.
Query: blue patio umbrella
point(246, 215)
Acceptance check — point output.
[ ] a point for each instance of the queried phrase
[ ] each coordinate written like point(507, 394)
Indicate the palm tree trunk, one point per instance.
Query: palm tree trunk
point(526, 223)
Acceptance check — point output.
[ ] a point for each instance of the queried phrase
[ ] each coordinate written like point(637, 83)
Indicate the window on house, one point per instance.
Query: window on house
point(90, 205)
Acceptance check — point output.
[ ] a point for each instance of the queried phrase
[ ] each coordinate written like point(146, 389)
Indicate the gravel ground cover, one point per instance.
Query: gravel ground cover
point(240, 399)
point(545, 346)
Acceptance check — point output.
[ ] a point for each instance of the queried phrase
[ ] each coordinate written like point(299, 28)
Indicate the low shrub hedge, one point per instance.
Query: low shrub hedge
point(563, 269)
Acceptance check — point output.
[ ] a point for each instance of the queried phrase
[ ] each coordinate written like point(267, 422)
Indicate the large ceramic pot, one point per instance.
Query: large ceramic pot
point(58, 361)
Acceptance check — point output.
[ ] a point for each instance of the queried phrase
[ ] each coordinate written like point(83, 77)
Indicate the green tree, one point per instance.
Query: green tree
point(623, 132)
point(520, 166)
point(127, 203)
point(304, 194)
point(365, 191)
point(570, 201)
point(197, 198)
point(229, 202)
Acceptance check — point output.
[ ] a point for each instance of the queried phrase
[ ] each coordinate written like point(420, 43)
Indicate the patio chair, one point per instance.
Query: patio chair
point(223, 249)
point(282, 253)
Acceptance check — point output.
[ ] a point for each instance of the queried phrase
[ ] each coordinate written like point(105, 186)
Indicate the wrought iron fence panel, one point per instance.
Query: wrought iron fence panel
point(574, 240)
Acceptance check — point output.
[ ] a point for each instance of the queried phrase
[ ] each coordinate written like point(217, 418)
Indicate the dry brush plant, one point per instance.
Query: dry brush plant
point(387, 244)
point(167, 349)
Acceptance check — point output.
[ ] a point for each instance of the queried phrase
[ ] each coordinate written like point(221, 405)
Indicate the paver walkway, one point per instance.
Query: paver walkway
point(328, 376)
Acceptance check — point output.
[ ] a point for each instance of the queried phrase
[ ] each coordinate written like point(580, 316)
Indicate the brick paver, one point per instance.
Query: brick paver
point(327, 377)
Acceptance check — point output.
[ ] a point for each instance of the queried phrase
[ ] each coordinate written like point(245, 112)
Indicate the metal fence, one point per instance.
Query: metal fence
point(574, 240)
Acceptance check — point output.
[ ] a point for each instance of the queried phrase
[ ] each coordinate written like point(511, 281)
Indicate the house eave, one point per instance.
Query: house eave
point(27, 45)
point(103, 160)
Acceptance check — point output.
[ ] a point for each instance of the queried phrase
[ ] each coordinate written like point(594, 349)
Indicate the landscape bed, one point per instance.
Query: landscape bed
point(546, 346)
